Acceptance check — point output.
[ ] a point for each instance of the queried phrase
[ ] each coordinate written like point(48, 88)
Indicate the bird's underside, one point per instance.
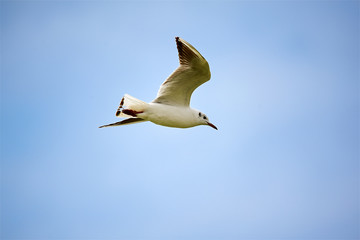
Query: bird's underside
point(175, 91)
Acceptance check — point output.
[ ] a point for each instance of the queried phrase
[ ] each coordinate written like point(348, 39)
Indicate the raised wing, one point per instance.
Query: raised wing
point(192, 72)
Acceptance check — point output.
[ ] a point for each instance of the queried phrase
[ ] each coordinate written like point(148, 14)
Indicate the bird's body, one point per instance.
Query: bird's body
point(171, 106)
point(170, 116)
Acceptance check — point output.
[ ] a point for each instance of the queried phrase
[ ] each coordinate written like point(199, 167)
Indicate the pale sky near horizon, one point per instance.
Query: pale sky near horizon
point(284, 95)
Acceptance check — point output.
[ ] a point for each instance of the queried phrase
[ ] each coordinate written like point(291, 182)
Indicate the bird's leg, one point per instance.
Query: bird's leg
point(130, 112)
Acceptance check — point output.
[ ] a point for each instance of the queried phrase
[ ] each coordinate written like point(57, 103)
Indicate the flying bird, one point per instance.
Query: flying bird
point(171, 107)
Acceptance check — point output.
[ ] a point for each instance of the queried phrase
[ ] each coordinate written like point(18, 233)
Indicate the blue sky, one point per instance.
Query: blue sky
point(284, 94)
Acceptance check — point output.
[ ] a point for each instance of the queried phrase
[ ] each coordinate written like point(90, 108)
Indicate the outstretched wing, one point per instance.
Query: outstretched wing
point(124, 122)
point(192, 72)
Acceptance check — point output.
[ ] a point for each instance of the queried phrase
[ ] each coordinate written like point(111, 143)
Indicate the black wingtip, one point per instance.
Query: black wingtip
point(178, 42)
point(179, 45)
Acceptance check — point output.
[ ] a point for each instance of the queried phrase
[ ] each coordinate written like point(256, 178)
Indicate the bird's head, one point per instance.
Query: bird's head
point(204, 120)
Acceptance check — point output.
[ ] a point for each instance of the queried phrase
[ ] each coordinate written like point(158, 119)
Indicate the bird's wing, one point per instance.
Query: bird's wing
point(192, 72)
point(124, 122)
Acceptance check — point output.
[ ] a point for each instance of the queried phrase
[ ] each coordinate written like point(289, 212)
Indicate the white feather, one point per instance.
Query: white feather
point(133, 104)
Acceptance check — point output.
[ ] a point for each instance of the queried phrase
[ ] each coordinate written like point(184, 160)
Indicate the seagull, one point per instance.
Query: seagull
point(171, 107)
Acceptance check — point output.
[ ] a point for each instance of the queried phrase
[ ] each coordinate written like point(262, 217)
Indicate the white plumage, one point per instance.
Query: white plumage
point(171, 106)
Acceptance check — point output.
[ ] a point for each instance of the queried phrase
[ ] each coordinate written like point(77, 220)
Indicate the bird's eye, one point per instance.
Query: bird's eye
point(204, 117)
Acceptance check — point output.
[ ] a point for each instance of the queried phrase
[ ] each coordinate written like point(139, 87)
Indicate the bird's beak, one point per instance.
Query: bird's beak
point(212, 125)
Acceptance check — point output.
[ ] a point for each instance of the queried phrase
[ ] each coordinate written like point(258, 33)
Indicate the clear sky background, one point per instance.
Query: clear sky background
point(284, 94)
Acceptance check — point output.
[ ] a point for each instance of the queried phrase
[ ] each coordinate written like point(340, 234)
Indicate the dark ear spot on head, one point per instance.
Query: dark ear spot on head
point(199, 114)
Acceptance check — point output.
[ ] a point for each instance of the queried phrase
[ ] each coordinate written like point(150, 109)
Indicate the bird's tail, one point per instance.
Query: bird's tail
point(130, 107)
